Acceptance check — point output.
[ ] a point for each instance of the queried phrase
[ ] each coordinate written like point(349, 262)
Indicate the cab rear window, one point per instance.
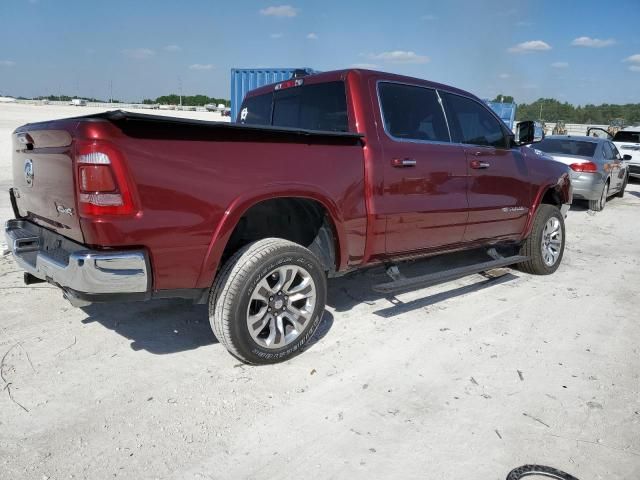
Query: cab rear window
point(322, 106)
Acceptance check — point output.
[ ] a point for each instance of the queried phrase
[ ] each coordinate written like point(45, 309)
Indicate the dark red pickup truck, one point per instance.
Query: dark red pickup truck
point(321, 175)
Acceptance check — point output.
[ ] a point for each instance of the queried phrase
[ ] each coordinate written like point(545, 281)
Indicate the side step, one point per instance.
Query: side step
point(403, 283)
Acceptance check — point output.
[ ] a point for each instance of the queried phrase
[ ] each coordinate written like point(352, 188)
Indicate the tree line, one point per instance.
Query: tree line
point(188, 100)
point(552, 110)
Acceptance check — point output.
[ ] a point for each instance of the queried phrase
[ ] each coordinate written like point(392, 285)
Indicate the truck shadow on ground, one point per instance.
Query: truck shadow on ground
point(166, 326)
point(170, 326)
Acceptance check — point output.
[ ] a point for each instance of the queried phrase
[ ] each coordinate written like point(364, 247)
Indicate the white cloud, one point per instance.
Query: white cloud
point(429, 18)
point(7, 63)
point(634, 60)
point(592, 42)
point(531, 46)
point(276, 35)
point(366, 66)
point(560, 65)
point(312, 36)
point(173, 48)
point(399, 56)
point(524, 23)
point(504, 76)
point(139, 53)
point(201, 66)
point(285, 11)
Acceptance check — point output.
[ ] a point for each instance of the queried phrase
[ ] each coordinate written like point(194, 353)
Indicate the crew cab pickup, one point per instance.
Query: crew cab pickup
point(321, 175)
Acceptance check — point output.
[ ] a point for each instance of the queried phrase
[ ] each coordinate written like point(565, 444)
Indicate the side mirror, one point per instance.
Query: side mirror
point(627, 157)
point(528, 132)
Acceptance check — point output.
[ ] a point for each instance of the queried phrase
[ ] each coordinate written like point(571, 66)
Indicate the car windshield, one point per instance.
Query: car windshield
point(566, 147)
point(632, 137)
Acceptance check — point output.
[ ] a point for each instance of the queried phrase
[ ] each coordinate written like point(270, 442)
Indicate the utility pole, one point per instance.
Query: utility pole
point(180, 89)
point(540, 116)
point(110, 91)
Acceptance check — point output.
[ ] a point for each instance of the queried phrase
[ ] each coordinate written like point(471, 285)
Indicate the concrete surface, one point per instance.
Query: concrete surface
point(465, 380)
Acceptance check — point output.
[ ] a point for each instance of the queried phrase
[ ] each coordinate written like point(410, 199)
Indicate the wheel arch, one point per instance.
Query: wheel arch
point(555, 192)
point(244, 204)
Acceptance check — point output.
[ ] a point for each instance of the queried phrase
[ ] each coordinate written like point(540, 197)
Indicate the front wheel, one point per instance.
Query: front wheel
point(545, 244)
point(267, 301)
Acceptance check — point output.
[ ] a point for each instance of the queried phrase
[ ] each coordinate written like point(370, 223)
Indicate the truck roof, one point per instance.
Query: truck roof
point(364, 74)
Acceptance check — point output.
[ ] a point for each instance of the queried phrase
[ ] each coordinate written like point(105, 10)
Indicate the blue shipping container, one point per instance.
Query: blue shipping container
point(506, 111)
point(245, 79)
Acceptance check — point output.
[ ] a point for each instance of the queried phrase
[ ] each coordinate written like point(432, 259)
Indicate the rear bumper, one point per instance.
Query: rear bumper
point(587, 186)
point(85, 275)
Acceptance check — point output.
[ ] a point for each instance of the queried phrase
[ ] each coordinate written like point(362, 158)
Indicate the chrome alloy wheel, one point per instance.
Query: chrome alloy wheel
point(281, 306)
point(551, 241)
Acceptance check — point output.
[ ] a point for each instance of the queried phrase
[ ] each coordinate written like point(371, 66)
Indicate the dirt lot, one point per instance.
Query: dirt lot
point(465, 380)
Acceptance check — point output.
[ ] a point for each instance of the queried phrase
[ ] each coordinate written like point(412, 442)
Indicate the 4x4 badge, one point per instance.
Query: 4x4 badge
point(28, 172)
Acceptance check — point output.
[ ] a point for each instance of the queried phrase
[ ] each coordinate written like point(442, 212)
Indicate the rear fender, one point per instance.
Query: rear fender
point(242, 204)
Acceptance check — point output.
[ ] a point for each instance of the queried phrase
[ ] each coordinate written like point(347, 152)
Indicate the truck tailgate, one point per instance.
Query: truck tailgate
point(43, 180)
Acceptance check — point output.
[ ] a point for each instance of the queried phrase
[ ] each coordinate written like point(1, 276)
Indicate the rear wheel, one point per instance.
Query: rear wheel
point(545, 244)
point(599, 204)
point(267, 301)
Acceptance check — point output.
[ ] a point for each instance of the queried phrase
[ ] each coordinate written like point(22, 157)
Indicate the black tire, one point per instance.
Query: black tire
point(620, 194)
point(231, 293)
point(533, 245)
point(599, 204)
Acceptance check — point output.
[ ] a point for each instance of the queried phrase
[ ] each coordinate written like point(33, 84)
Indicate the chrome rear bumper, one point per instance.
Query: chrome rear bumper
point(83, 274)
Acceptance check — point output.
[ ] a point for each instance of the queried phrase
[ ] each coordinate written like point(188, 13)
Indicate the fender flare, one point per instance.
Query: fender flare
point(562, 187)
point(241, 204)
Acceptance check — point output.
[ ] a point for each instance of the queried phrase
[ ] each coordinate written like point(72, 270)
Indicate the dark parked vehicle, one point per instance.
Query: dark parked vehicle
point(325, 174)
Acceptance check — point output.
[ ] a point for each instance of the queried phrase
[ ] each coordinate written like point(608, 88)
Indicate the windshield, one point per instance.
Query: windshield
point(566, 147)
point(632, 137)
point(322, 106)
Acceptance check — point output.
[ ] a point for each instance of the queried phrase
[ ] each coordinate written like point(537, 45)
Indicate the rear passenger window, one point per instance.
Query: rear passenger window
point(412, 113)
point(312, 107)
point(473, 123)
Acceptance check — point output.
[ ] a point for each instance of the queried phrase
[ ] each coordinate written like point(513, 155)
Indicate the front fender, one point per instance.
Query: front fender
point(559, 187)
point(237, 208)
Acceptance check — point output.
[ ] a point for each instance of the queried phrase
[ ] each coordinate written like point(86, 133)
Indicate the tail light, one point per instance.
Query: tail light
point(588, 167)
point(102, 181)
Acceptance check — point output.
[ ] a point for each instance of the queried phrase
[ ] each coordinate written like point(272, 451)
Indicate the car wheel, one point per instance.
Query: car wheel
point(620, 194)
point(545, 244)
point(267, 301)
point(599, 204)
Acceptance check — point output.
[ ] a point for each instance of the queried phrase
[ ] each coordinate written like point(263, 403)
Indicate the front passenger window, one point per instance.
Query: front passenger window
point(472, 123)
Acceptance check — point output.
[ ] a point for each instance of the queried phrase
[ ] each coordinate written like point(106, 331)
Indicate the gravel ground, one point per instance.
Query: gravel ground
point(464, 380)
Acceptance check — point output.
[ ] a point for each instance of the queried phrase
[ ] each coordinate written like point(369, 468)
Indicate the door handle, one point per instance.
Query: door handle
point(403, 162)
point(477, 164)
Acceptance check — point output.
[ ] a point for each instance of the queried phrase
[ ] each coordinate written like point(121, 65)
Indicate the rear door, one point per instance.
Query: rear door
point(499, 190)
point(424, 192)
point(615, 165)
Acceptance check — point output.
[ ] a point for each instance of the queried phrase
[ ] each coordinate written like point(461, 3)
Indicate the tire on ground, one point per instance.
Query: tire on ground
point(532, 246)
point(599, 204)
point(231, 295)
point(620, 194)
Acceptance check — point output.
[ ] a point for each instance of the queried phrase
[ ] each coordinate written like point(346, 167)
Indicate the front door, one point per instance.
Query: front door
point(424, 191)
point(499, 191)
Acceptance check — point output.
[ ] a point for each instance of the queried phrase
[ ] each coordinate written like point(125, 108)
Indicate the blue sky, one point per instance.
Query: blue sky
point(579, 51)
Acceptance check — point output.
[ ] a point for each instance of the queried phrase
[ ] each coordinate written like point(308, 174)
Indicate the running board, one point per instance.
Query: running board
point(403, 283)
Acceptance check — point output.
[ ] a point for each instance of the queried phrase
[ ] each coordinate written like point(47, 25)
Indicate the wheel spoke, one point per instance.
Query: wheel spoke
point(258, 325)
point(306, 292)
